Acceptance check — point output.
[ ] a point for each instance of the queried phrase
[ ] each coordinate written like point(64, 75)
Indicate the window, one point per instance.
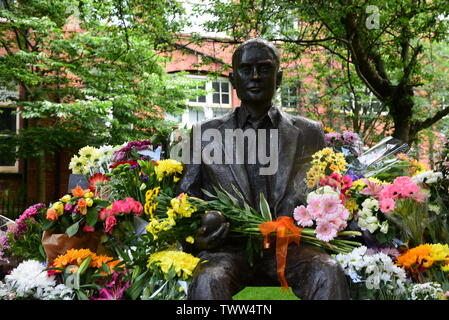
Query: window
point(215, 103)
point(196, 115)
point(199, 99)
point(221, 92)
point(9, 123)
point(218, 92)
point(289, 97)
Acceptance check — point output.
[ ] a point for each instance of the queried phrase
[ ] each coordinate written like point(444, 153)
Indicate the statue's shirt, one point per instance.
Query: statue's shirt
point(258, 183)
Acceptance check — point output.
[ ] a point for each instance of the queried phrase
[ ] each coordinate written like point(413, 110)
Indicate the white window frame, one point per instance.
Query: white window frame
point(210, 92)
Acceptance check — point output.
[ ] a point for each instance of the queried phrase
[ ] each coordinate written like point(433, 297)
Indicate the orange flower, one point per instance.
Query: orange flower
point(52, 215)
point(78, 191)
point(77, 256)
point(416, 257)
point(82, 206)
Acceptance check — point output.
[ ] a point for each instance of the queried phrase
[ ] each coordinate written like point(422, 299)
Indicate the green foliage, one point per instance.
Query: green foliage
point(366, 59)
point(90, 71)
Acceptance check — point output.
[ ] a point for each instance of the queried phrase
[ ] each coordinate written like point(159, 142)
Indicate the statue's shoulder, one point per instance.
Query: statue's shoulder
point(306, 124)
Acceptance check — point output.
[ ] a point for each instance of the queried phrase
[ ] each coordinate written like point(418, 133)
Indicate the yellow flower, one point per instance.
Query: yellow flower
point(183, 263)
point(181, 206)
point(445, 268)
point(89, 194)
point(190, 239)
point(59, 207)
point(439, 252)
point(351, 205)
point(328, 129)
point(324, 162)
point(89, 202)
point(167, 167)
point(155, 226)
point(149, 206)
point(358, 185)
point(66, 198)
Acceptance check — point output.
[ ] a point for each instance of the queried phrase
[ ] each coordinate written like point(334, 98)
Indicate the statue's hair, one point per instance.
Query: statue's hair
point(257, 42)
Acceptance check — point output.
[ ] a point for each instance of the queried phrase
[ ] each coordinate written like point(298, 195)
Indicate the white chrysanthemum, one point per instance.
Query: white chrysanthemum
point(377, 271)
point(88, 152)
point(30, 280)
point(77, 164)
point(428, 177)
point(426, 291)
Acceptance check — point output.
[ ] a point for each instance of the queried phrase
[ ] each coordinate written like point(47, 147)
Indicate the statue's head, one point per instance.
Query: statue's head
point(256, 75)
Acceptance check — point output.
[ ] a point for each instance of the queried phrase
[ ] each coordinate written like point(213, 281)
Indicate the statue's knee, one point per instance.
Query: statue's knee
point(211, 272)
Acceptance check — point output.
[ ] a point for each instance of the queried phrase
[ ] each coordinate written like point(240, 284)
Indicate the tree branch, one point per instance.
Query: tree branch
point(419, 125)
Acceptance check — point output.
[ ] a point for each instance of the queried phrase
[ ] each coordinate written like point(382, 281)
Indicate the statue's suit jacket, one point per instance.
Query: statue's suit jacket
point(299, 138)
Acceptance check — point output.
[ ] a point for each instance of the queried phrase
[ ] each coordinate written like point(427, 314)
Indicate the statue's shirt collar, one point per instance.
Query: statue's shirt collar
point(243, 117)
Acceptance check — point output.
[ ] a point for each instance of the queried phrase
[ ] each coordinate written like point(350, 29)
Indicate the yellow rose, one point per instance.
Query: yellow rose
point(89, 194)
point(66, 198)
point(89, 202)
point(59, 207)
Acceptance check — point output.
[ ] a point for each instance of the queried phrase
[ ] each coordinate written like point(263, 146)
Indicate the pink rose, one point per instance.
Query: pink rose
point(87, 228)
point(110, 223)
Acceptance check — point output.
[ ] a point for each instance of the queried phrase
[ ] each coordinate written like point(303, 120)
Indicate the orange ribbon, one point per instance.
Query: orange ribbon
point(286, 233)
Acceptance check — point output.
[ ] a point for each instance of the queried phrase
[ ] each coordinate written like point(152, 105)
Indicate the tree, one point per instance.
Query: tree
point(90, 73)
point(385, 43)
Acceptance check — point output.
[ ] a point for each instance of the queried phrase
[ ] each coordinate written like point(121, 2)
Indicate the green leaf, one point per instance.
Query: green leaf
point(81, 295)
point(139, 284)
point(84, 265)
point(265, 208)
point(73, 229)
point(92, 216)
point(47, 224)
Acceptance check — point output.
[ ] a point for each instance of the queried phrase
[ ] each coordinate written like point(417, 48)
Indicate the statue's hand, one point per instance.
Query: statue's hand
point(213, 231)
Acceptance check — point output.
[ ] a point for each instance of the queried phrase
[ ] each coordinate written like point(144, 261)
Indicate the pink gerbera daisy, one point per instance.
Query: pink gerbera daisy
point(325, 231)
point(302, 216)
point(329, 203)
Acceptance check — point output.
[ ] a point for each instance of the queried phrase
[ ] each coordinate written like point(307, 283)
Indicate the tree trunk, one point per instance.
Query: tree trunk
point(401, 110)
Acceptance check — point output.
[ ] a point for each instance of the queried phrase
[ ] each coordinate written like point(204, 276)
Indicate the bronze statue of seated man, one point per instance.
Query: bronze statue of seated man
point(310, 271)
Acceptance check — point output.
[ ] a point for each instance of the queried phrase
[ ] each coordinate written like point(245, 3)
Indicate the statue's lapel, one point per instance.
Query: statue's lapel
point(238, 171)
point(290, 137)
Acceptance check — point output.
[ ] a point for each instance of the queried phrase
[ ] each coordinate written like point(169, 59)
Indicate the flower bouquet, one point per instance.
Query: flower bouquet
point(22, 239)
point(171, 274)
point(91, 276)
point(72, 222)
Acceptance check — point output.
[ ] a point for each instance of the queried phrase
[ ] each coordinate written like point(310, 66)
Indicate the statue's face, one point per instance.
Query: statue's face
point(256, 75)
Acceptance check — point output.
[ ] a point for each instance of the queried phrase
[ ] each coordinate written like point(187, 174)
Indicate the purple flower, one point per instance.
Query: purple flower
point(355, 175)
point(350, 137)
point(28, 215)
point(133, 166)
point(332, 137)
point(4, 245)
point(123, 153)
point(68, 207)
point(114, 289)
